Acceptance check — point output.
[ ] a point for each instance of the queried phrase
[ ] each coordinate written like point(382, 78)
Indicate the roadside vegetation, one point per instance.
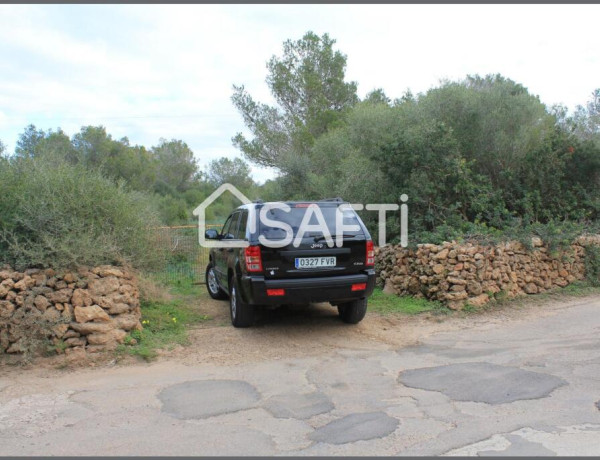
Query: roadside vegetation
point(390, 304)
point(383, 303)
point(577, 289)
point(168, 312)
point(58, 214)
point(479, 158)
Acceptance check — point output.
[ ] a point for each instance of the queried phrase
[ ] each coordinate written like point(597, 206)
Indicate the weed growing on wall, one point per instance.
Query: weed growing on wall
point(592, 264)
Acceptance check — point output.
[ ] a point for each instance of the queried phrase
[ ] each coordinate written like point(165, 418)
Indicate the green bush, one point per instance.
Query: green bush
point(592, 264)
point(56, 214)
point(173, 210)
point(557, 235)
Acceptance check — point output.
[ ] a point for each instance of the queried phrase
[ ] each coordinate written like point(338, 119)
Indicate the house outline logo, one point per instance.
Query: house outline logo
point(200, 211)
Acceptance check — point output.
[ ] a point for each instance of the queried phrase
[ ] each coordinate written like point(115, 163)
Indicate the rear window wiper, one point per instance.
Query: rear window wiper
point(346, 235)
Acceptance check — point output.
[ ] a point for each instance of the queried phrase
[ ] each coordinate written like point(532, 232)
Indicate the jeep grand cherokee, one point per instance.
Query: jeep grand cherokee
point(305, 270)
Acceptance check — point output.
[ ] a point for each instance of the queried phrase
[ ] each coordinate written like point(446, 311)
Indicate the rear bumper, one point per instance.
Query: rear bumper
point(306, 290)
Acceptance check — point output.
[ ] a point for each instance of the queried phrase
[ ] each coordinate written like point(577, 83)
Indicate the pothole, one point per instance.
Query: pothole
point(298, 406)
point(356, 427)
point(207, 398)
point(482, 382)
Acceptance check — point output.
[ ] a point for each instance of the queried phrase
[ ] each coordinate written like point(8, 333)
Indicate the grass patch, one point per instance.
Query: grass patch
point(578, 289)
point(470, 309)
point(187, 288)
point(502, 301)
point(391, 303)
point(165, 322)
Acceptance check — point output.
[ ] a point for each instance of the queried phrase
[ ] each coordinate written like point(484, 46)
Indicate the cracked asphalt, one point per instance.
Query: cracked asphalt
point(525, 386)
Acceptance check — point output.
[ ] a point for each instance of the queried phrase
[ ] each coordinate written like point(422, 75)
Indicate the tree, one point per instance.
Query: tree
point(28, 142)
point(33, 143)
point(176, 164)
point(58, 145)
point(586, 121)
point(343, 159)
point(378, 96)
point(495, 120)
point(236, 172)
point(307, 82)
point(116, 158)
point(476, 153)
point(96, 147)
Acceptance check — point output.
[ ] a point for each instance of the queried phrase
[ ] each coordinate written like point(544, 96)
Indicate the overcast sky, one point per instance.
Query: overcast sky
point(148, 72)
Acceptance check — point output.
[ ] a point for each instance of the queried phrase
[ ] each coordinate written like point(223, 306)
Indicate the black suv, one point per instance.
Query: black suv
point(305, 270)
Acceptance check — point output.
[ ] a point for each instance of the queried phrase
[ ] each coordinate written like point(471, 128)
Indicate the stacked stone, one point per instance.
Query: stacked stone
point(460, 274)
point(87, 309)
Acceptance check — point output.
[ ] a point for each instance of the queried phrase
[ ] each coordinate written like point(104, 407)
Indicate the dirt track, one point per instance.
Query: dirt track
point(316, 330)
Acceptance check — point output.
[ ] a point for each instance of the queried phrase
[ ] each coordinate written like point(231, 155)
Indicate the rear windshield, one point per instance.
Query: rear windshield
point(294, 218)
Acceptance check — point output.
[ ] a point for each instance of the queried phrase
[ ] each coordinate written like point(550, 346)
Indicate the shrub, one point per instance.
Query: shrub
point(592, 264)
point(557, 235)
point(56, 214)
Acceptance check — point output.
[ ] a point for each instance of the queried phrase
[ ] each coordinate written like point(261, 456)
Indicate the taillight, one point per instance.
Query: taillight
point(359, 286)
point(370, 260)
point(275, 292)
point(253, 259)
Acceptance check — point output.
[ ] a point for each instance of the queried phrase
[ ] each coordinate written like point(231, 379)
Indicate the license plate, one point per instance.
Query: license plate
point(315, 262)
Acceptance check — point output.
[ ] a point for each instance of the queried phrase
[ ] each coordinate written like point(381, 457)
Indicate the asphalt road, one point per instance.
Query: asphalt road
point(521, 387)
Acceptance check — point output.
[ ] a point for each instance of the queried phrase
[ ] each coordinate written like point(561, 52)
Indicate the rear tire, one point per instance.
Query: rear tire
point(353, 312)
point(212, 285)
point(242, 314)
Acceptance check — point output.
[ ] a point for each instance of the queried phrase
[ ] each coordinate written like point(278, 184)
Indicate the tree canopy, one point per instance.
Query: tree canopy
point(169, 171)
point(235, 172)
point(477, 153)
point(308, 84)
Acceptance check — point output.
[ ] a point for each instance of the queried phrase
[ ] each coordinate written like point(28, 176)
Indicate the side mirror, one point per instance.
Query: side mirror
point(211, 234)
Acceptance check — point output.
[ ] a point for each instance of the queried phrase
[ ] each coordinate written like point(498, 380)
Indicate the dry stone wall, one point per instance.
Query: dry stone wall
point(461, 274)
point(87, 309)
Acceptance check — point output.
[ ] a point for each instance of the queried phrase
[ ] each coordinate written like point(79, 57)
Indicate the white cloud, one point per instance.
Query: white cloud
point(151, 71)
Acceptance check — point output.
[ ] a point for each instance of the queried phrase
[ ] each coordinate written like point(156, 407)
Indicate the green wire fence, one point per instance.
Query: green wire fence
point(182, 259)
